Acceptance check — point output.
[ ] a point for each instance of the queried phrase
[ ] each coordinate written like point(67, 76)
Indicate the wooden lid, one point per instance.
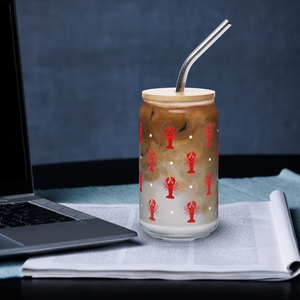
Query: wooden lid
point(169, 95)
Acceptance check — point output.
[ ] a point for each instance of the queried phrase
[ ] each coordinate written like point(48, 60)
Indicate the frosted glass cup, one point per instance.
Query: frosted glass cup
point(178, 163)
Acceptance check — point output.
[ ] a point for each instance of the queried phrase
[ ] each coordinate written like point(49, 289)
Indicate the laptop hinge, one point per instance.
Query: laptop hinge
point(17, 196)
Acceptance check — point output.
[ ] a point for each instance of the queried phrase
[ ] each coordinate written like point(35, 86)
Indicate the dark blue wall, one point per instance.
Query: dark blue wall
point(86, 62)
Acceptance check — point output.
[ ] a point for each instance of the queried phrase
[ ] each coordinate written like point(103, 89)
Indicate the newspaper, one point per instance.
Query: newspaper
point(254, 240)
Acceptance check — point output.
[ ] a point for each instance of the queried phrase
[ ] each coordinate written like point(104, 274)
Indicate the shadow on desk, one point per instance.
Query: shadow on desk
point(156, 289)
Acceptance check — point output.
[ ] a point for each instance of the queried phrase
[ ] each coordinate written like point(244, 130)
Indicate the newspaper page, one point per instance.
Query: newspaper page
point(244, 246)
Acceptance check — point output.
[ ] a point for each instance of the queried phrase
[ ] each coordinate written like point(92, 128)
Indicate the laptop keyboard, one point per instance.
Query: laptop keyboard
point(27, 214)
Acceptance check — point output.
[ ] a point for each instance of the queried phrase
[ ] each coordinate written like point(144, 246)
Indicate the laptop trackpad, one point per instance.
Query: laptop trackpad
point(7, 243)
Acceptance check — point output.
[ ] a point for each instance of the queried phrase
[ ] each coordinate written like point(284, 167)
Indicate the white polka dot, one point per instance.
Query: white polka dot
point(141, 157)
point(171, 212)
point(150, 134)
point(191, 186)
point(209, 159)
point(218, 130)
point(151, 184)
point(141, 205)
point(171, 163)
point(209, 208)
point(190, 136)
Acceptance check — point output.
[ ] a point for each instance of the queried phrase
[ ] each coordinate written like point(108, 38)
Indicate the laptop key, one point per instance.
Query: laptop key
point(27, 214)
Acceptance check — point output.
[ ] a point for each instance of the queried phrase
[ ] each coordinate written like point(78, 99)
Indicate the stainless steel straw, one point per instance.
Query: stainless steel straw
point(197, 53)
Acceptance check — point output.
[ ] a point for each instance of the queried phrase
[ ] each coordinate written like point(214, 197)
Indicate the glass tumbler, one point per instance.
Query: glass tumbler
point(178, 163)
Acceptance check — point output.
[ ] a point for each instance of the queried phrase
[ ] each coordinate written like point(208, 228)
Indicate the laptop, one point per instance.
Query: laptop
point(30, 225)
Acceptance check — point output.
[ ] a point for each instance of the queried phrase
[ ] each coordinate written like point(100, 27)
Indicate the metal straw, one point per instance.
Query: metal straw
point(197, 53)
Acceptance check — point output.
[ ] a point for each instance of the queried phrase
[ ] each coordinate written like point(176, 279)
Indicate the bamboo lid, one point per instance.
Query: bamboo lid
point(170, 95)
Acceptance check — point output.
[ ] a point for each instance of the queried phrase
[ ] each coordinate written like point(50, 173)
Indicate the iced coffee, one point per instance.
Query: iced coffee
point(178, 163)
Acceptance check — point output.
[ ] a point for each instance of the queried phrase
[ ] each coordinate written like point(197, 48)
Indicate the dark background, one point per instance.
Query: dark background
point(86, 62)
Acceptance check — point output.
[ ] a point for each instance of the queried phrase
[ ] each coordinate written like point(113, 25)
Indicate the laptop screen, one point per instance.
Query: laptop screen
point(15, 169)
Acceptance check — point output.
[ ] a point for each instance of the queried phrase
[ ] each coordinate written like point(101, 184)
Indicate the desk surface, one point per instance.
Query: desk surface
point(111, 172)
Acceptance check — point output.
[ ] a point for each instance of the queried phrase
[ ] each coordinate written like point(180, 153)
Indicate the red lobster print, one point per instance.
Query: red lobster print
point(152, 208)
point(141, 181)
point(171, 136)
point(140, 132)
point(208, 183)
point(152, 160)
point(170, 185)
point(208, 134)
point(191, 160)
point(191, 209)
